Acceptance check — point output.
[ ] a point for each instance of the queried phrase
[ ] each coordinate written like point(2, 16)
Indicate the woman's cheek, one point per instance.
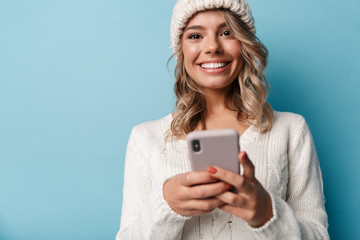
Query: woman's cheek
point(190, 53)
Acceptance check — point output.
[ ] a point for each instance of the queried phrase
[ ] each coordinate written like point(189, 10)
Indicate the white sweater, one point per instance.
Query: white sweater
point(286, 164)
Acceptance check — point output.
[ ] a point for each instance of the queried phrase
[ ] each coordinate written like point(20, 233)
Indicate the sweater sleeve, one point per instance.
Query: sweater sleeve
point(302, 215)
point(145, 212)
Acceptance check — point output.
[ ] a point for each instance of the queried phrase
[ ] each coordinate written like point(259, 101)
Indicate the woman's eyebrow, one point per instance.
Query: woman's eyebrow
point(222, 25)
point(197, 27)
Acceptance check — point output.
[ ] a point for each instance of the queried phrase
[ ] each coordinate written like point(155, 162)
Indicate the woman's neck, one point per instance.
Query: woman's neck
point(218, 115)
point(215, 103)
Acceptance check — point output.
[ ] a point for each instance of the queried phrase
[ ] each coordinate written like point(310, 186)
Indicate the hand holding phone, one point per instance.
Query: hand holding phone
point(188, 192)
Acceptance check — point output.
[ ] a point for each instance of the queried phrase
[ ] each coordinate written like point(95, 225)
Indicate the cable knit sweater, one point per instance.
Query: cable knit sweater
point(285, 163)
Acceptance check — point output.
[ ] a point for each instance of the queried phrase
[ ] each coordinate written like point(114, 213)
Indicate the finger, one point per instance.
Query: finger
point(228, 208)
point(229, 177)
point(195, 178)
point(249, 169)
point(208, 190)
point(233, 199)
point(195, 212)
point(203, 205)
point(231, 209)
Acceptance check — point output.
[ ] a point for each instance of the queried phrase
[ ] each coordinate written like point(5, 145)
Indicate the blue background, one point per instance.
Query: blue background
point(75, 76)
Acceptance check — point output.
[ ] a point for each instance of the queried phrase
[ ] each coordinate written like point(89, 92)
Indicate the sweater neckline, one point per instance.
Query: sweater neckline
point(246, 138)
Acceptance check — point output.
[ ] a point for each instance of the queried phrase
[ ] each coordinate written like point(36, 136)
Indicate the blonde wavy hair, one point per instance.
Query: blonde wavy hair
point(247, 96)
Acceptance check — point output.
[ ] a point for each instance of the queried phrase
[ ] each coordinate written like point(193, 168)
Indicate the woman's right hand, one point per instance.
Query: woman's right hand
point(193, 193)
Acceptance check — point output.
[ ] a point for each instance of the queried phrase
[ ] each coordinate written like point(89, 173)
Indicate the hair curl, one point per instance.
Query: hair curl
point(247, 96)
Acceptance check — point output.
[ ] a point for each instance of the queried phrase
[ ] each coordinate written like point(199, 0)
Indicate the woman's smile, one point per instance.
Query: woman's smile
point(214, 67)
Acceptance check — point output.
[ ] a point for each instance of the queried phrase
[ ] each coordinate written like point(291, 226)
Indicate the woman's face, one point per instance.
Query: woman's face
point(212, 55)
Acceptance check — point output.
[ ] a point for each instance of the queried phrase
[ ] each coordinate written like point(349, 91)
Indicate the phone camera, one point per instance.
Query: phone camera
point(196, 145)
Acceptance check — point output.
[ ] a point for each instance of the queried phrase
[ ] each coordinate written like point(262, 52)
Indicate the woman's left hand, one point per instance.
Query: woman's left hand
point(252, 203)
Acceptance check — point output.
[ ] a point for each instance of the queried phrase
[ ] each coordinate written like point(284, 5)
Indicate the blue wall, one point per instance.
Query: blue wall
point(75, 76)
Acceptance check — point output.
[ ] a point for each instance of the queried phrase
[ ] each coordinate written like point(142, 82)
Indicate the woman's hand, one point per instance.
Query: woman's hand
point(193, 193)
point(252, 203)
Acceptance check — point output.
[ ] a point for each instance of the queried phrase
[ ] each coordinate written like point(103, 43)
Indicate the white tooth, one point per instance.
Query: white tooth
point(213, 65)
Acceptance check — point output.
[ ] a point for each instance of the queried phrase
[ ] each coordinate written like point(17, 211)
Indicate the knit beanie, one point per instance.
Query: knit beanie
point(184, 9)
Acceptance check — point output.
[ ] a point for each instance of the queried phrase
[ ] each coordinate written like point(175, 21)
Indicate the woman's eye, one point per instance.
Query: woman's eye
point(226, 33)
point(194, 36)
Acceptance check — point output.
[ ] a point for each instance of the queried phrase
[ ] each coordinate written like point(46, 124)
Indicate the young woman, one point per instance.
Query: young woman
point(220, 83)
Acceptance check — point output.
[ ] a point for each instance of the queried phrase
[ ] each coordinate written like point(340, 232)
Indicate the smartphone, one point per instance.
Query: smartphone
point(214, 148)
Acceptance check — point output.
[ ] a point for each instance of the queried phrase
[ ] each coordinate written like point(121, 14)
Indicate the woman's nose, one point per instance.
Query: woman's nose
point(212, 45)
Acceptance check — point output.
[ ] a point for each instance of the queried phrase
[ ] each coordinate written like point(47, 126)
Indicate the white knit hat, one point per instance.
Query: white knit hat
point(184, 9)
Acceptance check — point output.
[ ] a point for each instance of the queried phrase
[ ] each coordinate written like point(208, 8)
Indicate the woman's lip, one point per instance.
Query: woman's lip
point(214, 61)
point(214, 70)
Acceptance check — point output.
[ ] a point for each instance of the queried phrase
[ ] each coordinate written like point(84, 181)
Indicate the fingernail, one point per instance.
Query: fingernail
point(212, 170)
point(228, 186)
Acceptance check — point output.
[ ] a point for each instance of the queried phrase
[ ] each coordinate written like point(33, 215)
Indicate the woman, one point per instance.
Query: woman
point(220, 83)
